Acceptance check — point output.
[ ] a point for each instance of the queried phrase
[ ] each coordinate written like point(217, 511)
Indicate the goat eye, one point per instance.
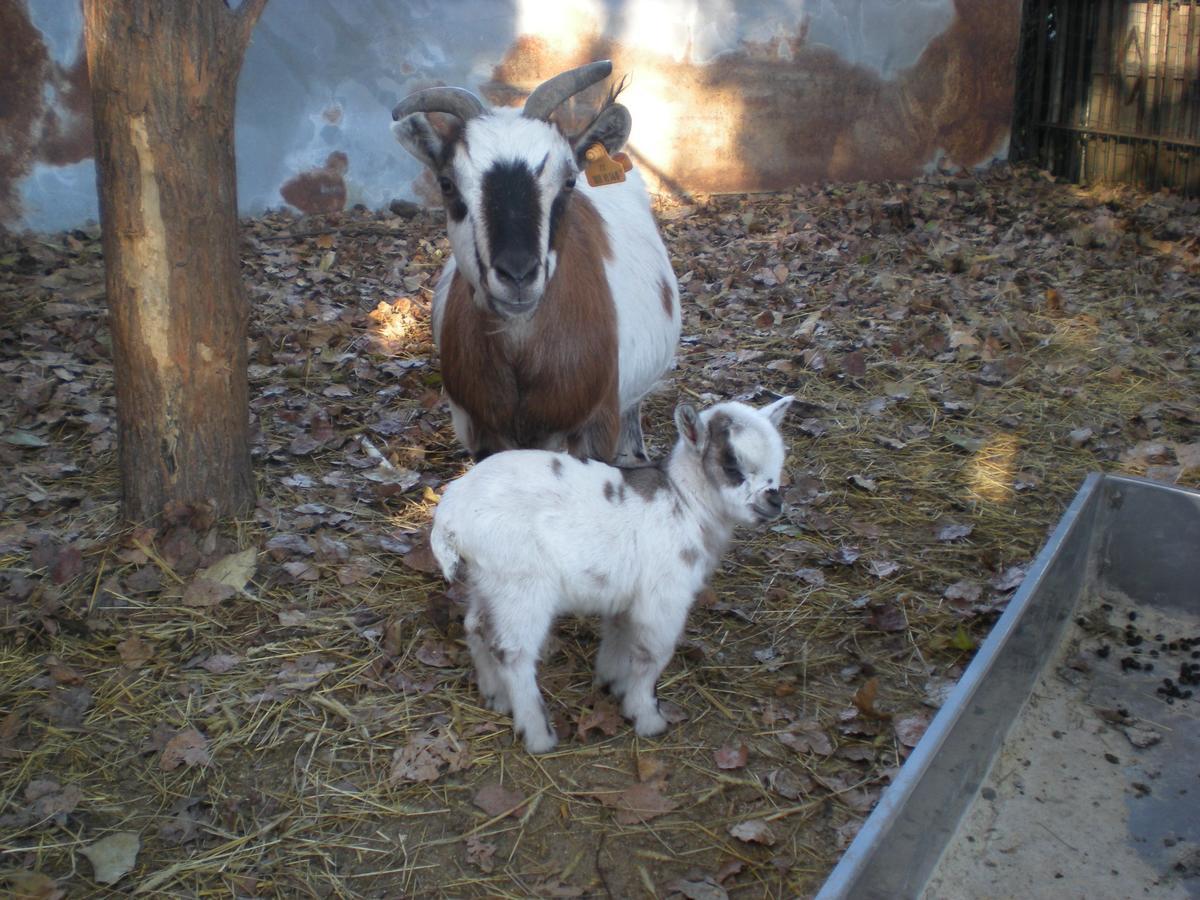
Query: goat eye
point(446, 185)
point(734, 473)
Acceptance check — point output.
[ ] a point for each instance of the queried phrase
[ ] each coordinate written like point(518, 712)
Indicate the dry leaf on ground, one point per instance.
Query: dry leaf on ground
point(429, 756)
point(731, 757)
point(638, 803)
point(755, 831)
point(189, 747)
point(495, 799)
point(113, 856)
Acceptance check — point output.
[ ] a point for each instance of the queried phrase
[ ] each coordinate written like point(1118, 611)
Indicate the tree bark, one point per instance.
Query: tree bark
point(164, 81)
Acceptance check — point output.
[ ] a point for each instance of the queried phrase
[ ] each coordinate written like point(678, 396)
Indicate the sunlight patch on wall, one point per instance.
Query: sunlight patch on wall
point(566, 25)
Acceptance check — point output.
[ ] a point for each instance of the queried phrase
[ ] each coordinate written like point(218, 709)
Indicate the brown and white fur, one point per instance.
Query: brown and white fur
point(559, 310)
point(532, 535)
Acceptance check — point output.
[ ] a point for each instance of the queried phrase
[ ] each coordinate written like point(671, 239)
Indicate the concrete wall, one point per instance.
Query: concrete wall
point(726, 96)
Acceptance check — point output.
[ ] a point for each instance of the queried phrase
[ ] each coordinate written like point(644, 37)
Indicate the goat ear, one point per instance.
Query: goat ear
point(776, 411)
point(431, 144)
point(687, 420)
point(610, 128)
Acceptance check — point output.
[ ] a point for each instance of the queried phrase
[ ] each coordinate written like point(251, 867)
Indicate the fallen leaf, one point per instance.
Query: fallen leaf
point(910, 729)
point(962, 641)
point(429, 756)
point(603, 717)
point(234, 570)
point(672, 712)
point(112, 857)
point(1010, 578)
point(887, 616)
point(847, 832)
point(481, 854)
point(862, 481)
point(786, 784)
point(1187, 456)
point(303, 673)
point(303, 445)
point(24, 439)
point(846, 556)
point(705, 888)
point(62, 673)
point(962, 337)
point(421, 559)
point(813, 577)
point(966, 590)
point(807, 737)
point(438, 654)
point(282, 545)
point(135, 652)
point(638, 803)
point(864, 700)
point(1080, 436)
point(854, 364)
point(189, 747)
point(26, 885)
point(952, 531)
point(220, 663)
point(755, 831)
point(394, 477)
point(204, 593)
point(883, 568)
point(937, 691)
point(49, 801)
point(495, 799)
point(292, 617)
point(302, 570)
point(68, 564)
point(650, 767)
point(731, 757)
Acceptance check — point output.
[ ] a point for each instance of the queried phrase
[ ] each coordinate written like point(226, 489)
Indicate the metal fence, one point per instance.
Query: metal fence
point(1109, 91)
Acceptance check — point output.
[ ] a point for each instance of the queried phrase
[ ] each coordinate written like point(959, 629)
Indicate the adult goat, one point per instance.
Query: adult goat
point(559, 310)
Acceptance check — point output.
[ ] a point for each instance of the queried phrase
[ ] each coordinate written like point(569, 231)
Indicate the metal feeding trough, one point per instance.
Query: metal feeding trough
point(1066, 762)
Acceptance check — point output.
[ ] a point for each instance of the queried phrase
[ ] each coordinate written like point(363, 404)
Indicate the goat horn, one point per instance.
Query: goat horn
point(547, 96)
point(455, 101)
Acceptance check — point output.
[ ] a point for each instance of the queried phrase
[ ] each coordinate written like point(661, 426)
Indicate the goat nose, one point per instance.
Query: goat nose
point(774, 500)
point(516, 268)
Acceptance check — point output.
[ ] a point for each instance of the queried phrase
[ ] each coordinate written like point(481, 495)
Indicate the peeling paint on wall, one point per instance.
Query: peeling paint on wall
point(45, 108)
point(726, 96)
point(771, 114)
point(320, 190)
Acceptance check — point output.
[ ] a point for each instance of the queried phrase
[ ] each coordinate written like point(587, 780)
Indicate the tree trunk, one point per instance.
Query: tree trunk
point(164, 81)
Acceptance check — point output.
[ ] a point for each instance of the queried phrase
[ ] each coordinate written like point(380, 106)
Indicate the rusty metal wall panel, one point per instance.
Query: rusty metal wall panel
point(726, 96)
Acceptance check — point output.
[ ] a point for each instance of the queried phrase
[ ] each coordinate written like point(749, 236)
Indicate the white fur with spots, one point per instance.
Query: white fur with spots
point(534, 535)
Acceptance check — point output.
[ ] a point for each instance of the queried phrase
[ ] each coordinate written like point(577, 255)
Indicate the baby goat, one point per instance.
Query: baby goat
point(533, 534)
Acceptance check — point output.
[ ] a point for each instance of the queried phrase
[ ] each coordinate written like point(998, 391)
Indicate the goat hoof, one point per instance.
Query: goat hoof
point(650, 724)
point(612, 688)
point(497, 703)
point(540, 741)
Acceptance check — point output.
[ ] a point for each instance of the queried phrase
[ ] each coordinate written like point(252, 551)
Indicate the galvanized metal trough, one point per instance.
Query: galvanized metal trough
point(1136, 828)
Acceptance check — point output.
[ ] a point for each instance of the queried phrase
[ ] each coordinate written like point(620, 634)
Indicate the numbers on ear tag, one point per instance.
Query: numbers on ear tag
point(602, 169)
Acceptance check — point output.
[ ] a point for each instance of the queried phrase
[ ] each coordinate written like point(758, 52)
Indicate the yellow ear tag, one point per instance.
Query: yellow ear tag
point(602, 169)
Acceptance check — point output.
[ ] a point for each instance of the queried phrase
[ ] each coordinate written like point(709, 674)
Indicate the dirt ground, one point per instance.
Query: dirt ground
point(283, 706)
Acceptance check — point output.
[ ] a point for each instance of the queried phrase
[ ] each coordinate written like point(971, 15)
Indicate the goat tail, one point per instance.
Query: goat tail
point(444, 544)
